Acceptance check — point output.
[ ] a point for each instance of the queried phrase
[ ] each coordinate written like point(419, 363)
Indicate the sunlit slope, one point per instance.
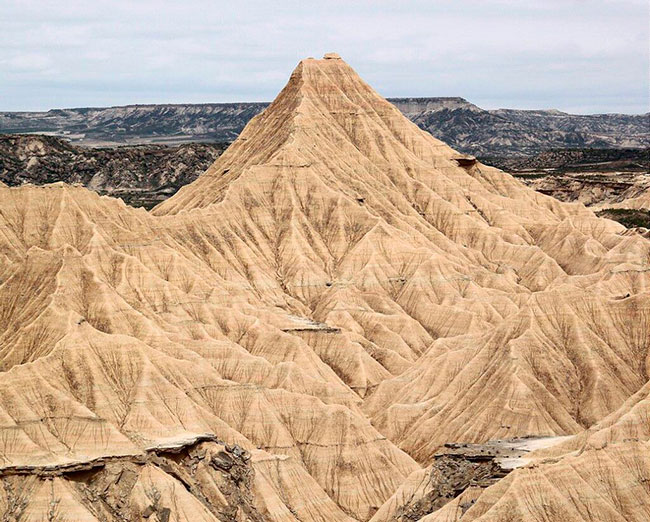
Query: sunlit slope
point(339, 294)
point(359, 211)
point(134, 342)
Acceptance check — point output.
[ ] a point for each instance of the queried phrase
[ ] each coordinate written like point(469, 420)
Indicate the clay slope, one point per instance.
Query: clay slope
point(600, 484)
point(641, 202)
point(339, 295)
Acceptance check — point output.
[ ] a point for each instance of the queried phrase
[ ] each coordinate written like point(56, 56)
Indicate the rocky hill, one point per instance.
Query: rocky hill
point(141, 175)
point(331, 323)
point(456, 121)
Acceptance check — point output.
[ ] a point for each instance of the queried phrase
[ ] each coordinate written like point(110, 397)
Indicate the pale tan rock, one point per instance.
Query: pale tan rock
point(609, 484)
point(338, 295)
point(642, 202)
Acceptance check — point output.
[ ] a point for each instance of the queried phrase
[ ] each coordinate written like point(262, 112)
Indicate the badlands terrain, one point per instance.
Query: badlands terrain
point(145, 175)
point(342, 319)
point(141, 175)
point(615, 183)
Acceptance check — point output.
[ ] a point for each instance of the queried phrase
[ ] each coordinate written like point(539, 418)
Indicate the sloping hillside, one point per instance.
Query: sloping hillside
point(295, 334)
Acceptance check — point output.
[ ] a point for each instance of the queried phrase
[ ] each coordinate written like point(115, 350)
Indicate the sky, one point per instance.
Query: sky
point(580, 56)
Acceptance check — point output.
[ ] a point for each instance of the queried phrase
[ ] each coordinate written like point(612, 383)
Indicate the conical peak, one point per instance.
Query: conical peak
point(329, 61)
point(321, 77)
point(325, 106)
point(330, 66)
point(327, 83)
point(326, 56)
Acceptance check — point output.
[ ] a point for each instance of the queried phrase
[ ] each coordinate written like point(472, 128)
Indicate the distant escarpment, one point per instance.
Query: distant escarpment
point(466, 127)
point(576, 160)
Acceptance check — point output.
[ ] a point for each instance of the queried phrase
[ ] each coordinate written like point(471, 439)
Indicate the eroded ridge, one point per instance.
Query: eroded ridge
point(339, 296)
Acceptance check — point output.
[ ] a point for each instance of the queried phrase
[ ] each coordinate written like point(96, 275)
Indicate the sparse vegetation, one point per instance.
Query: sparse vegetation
point(628, 217)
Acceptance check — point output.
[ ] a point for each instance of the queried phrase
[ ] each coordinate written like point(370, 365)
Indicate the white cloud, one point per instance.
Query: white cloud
point(578, 54)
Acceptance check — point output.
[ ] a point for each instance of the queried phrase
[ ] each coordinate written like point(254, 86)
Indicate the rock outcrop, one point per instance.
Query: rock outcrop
point(140, 175)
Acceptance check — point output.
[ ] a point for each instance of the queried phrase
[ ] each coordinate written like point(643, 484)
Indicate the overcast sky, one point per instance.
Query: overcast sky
point(582, 56)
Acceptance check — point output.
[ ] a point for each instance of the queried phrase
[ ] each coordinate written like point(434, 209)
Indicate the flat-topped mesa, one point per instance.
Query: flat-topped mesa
point(325, 114)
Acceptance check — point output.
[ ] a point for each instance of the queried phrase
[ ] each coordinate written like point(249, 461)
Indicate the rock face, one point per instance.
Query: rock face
point(339, 296)
point(456, 121)
point(198, 480)
point(141, 175)
point(138, 124)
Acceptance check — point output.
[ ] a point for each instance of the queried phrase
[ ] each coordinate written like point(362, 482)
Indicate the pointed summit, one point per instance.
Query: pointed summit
point(353, 207)
point(325, 106)
point(338, 298)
